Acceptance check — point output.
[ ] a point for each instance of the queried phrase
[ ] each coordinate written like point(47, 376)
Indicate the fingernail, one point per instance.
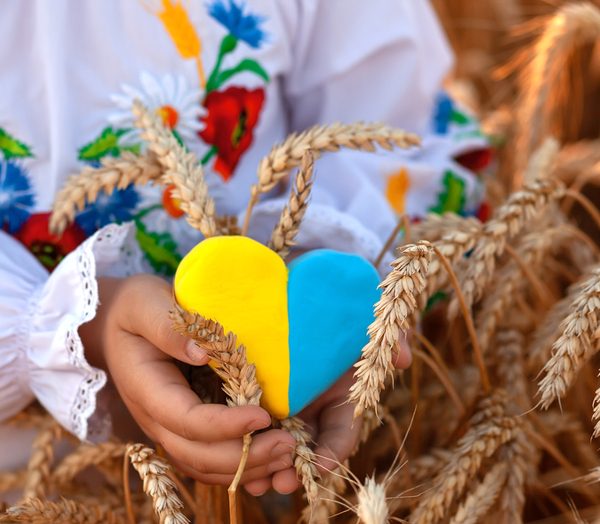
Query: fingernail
point(195, 353)
point(255, 425)
point(280, 449)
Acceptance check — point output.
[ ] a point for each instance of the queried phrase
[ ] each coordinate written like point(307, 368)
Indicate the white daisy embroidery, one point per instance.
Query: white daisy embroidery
point(178, 105)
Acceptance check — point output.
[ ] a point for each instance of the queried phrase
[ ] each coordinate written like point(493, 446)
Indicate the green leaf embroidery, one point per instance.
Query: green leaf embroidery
point(160, 249)
point(228, 44)
point(460, 118)
point(246, 65)
point(107, 144)
point(12, 148)
point(452, 198)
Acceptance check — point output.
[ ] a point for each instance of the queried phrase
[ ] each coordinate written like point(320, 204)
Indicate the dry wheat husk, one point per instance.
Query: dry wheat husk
point(573, 25)
point(282, 238)
point(37, 511)
point(181, 168)
point(479, 501)
point(113, 173)
point(394, 311)
point(372, 505)
point(578, 342)
point(157, 484)
point(490, 429)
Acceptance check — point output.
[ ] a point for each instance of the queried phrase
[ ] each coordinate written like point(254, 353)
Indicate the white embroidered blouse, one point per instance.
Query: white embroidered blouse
point(231, 78)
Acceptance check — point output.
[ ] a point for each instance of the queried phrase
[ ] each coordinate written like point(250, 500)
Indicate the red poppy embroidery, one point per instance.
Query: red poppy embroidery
point(229, 124)
point(476, 160)
point(49, 249)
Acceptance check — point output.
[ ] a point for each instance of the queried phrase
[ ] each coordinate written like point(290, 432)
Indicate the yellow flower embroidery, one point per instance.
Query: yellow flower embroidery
point(397, 187)
point(183, 34)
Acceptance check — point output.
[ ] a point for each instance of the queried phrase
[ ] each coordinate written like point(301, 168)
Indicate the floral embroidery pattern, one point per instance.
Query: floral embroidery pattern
point(171, 98)
point(452, 198)
point(16, 196)
point(229, 125)
point(49, 249)
point(107, 209)
point(397, 187)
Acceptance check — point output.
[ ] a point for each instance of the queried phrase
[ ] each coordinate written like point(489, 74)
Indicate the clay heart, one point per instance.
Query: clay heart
point(302, 329)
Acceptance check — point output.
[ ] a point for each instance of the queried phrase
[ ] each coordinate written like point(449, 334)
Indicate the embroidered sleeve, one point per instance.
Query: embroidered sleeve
point(41, 354)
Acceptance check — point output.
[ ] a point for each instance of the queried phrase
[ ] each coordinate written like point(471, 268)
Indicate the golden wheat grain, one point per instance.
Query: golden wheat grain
point(156, 482)
point(288, 155)
point(435, 226)
point(282, 238)
point(393, 313)
point(113, 173)
point(182, 169)
point(490, 429)
point(36, 511)
point(578, 342)
point(304, 460)
point(372, 504)
point(42, 455)
point(479, 501)
point(519, 210)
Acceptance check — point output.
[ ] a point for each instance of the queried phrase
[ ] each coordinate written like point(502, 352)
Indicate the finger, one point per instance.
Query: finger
point(261, 473)
point(338, 435)
point(402, 356)
point(151, 320)
point(160, 388)
point(256, 488)
point(271, 448)
point(285, 481)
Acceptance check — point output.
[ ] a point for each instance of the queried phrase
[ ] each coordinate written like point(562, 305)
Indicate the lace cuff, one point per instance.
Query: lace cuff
point(44, 357)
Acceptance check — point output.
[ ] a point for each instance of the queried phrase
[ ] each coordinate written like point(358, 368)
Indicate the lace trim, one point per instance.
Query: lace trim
point(84, 404)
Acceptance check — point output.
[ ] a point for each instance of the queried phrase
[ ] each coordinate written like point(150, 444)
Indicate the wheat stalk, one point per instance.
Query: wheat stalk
point(577, 343)
point(157, 484)
point(479, 501)
point(393, 312)
point(282, 238)
point(182, 169)
point(37, 511)
point(113, 173)
point(288, 155)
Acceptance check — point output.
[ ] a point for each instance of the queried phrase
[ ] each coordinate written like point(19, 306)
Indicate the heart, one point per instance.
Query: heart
point(302, 328)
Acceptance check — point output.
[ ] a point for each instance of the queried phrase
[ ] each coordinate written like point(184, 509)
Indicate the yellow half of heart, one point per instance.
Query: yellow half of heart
point(243, 285)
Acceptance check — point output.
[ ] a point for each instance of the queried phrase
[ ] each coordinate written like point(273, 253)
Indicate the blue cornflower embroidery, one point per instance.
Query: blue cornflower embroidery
point(107, 209)
point(245, 27)
point(16, 196)
point(443, 113)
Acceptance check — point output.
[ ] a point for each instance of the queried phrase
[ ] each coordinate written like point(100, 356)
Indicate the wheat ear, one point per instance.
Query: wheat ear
point(509, 220)
point(398, 303)
point(113, 173)
point(573, 25)
point(240, 383)
point(182, 169)
point(282, 238)
point(372, 505)
point(157, 484)
point(288, 155)
point(479, 501)
point(42, 455)
point(84, 456)
point(490, 430)
point(577, 343)
point(305, 460)
point(37, 511)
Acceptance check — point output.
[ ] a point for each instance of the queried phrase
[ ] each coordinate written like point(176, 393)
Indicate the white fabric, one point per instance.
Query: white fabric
point(70, 66)
point(42, 355)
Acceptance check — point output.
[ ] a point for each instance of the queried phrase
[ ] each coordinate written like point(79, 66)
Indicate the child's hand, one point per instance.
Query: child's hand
point(330, 420)
point(131, 337)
